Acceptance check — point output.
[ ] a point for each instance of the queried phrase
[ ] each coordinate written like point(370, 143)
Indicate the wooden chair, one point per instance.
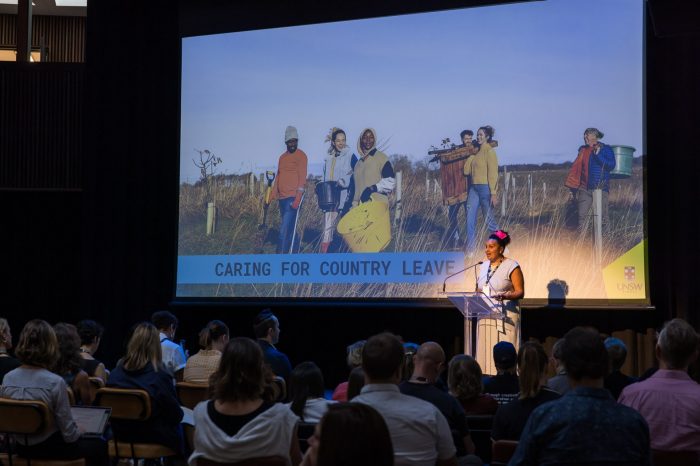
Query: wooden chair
point(190, 393)
point(95, 384)
point(480, 432)
point(502, 451)
point(130, 405)
point(674, 458)
point(23, 418)
point(263, 461)
point(279, 388)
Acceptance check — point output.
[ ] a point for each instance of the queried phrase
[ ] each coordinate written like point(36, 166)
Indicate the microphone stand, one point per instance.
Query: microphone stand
point(444, 283)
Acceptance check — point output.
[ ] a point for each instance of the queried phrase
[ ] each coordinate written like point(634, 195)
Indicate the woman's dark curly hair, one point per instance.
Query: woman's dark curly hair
point(69, 360)
point(464, 377)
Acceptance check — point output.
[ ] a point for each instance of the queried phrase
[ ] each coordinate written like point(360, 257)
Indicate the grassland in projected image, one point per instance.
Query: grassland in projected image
point(542, 243)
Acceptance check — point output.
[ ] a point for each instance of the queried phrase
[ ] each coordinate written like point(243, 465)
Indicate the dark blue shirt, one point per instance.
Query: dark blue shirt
point(585, 426)
point(278, 361)
point(164, 424)
point(599, 167)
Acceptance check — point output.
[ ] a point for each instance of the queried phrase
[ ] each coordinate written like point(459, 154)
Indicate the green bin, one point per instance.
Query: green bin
point(623, 161)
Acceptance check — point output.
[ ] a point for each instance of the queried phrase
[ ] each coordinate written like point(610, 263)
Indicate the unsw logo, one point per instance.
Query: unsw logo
point(630, 273)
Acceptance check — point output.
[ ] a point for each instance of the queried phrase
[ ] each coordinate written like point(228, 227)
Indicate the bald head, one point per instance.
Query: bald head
point(429, 361)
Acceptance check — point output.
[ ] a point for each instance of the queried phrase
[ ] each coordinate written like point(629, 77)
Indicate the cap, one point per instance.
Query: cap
point(504, 354)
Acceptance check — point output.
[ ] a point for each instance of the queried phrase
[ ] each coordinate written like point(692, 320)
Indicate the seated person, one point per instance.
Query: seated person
point(669, 400)
point(237, 424)
point(428, 363)
point(142, 368)
point(7, 362)
point(503, 386)
point(69, 365)
point(355, 382)
point(510, 419)
point(465, 381)
point(306, 389)
point(38, 350)
point(350, 434)
point(560, 382)
point(419, 432)
point(354, 360)
point(585, 426)
point(615, 381)
point(173, 355)
point(267, 332)
point(202, 365)
point(90, 336)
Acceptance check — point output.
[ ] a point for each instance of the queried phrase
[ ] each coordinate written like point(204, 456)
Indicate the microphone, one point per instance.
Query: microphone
point(444, 283)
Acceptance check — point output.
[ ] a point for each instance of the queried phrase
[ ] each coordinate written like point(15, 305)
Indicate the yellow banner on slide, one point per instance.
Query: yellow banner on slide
point(625, 277)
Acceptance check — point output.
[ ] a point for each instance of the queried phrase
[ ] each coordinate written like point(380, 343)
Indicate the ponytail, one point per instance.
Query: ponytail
point(213, 331)
point(532, 362)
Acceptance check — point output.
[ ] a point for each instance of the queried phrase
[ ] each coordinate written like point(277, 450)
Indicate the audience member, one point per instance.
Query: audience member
point(615, 381)
point(669, 400)
point(267, 331)
point(350, 434)
point(409, 350)
point(90, 336)
point(585, 426)
point(142, 368)
point(465, 380)
point(174, 357)
point(510, 419)
point(7, 362)
point(355, 382)
point(69, 364)
point(419, 432)
point(37, 349)
point(306, 389)
point(503, 386)
point(212, 339)
point(560, 382)
point(428, 363)
point(354, 359)
point(238, 424)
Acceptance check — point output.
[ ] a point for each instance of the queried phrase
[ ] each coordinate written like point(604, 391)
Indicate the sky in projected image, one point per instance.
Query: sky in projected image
point(539, 73)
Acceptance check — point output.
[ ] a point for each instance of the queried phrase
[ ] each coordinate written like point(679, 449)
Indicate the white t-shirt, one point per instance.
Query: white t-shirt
point(315, 408)
point(174, 357)
point(419, 432)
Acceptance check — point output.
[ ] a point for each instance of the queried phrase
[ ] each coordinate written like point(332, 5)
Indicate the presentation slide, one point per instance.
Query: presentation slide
point(372, 158)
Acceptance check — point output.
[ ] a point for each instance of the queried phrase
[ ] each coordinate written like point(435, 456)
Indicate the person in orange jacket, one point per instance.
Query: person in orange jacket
point(289, 187)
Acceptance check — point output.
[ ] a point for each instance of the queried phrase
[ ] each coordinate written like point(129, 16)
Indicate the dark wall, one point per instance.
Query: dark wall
point(114, 258)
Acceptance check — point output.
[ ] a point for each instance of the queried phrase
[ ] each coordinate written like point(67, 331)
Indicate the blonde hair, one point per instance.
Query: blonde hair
point(143, 348)
point(38, 345)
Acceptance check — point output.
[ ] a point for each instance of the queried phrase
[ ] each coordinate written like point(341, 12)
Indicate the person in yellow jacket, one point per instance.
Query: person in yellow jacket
point(482, 170)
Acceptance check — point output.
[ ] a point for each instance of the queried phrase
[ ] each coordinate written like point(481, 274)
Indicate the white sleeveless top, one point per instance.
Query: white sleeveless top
point(500, 281)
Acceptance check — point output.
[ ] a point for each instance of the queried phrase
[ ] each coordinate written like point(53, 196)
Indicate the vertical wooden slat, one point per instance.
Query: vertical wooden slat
point(65, 36)
point(41, 126)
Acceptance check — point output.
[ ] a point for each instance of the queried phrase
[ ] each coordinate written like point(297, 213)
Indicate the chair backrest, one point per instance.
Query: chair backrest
point(95, 384)
point(191, 393)
point(480, 432)
point(263, 461)
point(674, 458)
point(279, 388)
point(24, 417)
point(126, 403)
point(503, 450)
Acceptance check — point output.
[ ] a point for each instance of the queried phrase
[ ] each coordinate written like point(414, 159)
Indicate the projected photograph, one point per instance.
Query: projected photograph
point(373, 158)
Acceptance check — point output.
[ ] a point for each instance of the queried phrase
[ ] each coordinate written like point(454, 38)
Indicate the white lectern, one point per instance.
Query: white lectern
point(474, 306)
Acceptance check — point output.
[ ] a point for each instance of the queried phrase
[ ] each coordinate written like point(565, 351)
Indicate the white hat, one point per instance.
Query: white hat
point(290, 133)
